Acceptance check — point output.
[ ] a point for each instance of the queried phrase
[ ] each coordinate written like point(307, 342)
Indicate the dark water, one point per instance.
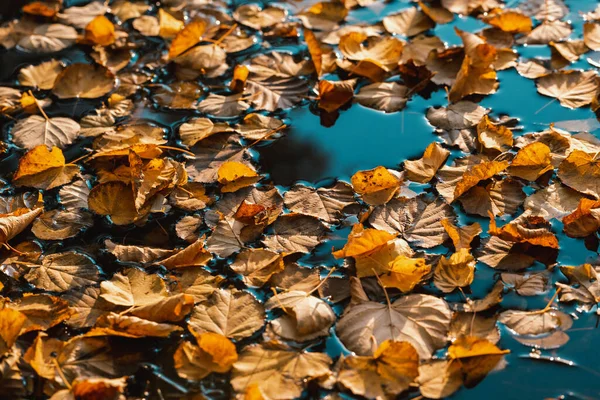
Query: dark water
point(362, 138)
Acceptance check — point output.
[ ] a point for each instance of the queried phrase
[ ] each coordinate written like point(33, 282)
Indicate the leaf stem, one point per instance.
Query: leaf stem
point(39, 106)
point(61, 374)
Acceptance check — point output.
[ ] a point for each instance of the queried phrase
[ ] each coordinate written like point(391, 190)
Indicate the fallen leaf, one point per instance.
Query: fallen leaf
point(44, 169)
point(84, 81)
point(419, 319)
point(279, 373)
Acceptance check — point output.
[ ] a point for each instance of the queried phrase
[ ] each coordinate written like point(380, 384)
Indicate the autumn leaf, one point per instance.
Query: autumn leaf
point(405, 273)
point(584, 221)
point(478, 173)
point(579, 171)
point(44, 169)
point(100, 31)
point(510, 21)
point(573, 89)
point(456, 271)
point(531, 162)
point(333, 95)
point(419, 319)
point(188, 37)
point(389, 372)
point(213, 353)
point(425, 168)
point(376, 186)
point(279, 373)
point(83, 81)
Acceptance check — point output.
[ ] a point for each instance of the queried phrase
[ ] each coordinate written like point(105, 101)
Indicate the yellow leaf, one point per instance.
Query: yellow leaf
point(376, 186)
point(389, 372)
point(511, 21)
point(11, 322)
point(585, 220)
point(425, 168)
point(234, 175)
point(214, 353)
point(100, 31)
point(532, 230)
point(44, 169)
point(477, 357)
point(456, 271)
point(492, 136)
point(531, 162)
point(362, 242)
point(187, 38)
point(238, 81)
point(463, 236)
point(478, 173)
point(405, 273)
point(114, 199)
point(581, 171)
point(334, 94)
point(169, 25)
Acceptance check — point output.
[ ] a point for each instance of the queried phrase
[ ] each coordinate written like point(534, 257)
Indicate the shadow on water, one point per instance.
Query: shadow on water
point(360, 139)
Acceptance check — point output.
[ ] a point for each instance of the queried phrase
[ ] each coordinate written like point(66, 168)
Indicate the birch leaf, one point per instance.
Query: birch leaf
point(419, 319)
point(36, 130)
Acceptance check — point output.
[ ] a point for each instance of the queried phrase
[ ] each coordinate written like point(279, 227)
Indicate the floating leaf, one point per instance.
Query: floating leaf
point(83, 81)
point(278, 372)
point(44, 169)
point(390, 371)
point(573, 89)
point(233, 314)
point(419, 319)
point(37, 130)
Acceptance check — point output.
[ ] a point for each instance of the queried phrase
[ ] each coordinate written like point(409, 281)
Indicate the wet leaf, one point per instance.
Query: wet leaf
point(409, 22)
point(213, 353)
point(326, 204)
point(390, 371)
point(573, 89)
point(306, 317)
point(44, 169)
point(279, 373)
point(100, 31)
point(421, 320)
point(376, 186)
point(60, 272)
point(233, 314)
point(425, 168)
point(83, 81)
point(384, 96)
point(37, 130)
point(41, 76)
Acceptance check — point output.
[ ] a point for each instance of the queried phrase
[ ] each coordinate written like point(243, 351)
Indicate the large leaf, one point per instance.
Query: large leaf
point(419, 319)
point(36, 130)
point(233, 314)
point(279, 373)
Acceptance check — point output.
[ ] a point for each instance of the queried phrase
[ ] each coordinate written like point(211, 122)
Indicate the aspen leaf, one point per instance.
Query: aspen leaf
point(188, 37)
point(44, 169)
point(234, 175)
point(419, 319)
point(405, 273)
point(83, 81)
point(390, 371)
point(376, 186)
point(37, 130)
point(573, 89)
point(100, 31)
point(279, 373)
point(510, 21)
point(425, 168)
